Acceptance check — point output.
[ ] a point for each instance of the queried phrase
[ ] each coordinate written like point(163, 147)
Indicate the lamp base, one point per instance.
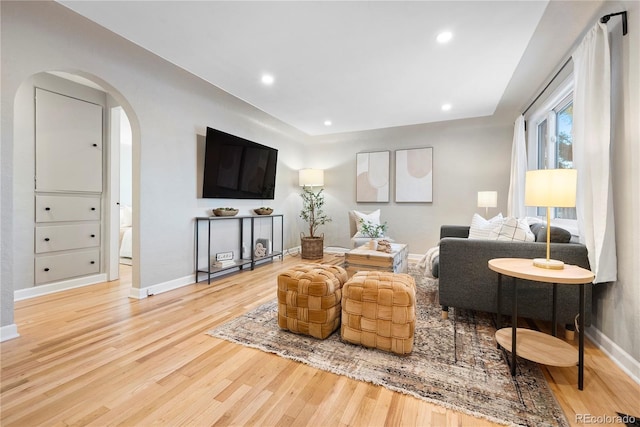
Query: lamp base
point(551, 264)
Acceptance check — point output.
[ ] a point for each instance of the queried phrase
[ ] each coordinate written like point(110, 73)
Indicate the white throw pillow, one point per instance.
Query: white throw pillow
point(373, 218)
point(513, 230)
point(480, 227)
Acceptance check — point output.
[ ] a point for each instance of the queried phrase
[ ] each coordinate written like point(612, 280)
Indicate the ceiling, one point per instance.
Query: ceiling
point(360, 64)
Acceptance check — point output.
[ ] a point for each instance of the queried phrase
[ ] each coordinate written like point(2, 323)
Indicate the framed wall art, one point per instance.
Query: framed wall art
point(414, 175)
point(372, 176)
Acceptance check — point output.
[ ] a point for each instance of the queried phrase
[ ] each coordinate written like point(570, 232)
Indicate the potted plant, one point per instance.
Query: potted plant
point(312, 203)
point(375, 231)
point(369, 229)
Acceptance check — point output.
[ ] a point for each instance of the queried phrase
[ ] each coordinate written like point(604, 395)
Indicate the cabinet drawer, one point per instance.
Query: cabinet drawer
point(62, 237)
point(51, 268)
point(67, 208)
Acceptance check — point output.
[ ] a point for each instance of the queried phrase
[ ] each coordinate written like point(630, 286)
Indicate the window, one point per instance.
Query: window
point(555, 149)
point(550, 128)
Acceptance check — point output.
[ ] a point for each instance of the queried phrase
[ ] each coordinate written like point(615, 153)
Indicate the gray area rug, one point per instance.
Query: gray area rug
point(454, 363)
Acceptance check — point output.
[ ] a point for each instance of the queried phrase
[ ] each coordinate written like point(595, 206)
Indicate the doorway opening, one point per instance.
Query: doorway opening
point(121, 194)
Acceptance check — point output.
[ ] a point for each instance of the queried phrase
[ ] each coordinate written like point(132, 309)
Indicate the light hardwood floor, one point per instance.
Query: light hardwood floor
point(93, 356)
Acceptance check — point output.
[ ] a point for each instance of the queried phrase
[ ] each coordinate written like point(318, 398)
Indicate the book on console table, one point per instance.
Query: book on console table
point(223, 264)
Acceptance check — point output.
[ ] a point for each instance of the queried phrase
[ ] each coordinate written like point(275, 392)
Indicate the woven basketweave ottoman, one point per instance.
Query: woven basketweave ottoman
point(309, 298)
point(378, 311)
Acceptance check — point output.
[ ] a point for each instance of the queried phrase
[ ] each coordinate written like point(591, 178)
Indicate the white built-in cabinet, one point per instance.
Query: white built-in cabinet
point(68, 187)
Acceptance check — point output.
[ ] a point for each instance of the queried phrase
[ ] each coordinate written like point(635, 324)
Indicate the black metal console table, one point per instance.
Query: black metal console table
point(240, 262)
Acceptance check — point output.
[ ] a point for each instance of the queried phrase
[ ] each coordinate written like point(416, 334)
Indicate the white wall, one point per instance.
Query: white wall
point(468, 156)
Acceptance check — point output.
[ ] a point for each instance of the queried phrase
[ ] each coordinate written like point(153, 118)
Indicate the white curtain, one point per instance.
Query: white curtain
point(515, 207)
point(591, 151)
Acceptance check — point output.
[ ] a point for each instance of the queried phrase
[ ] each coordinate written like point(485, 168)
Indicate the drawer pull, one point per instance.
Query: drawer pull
point(46, 269)
point(95, 145)
point(92, 262)
point(46, 239)
point(93, 235)
point(93, 209)
point(47, 209)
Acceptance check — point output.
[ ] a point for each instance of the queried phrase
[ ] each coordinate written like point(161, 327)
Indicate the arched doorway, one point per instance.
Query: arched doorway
point(75, 86)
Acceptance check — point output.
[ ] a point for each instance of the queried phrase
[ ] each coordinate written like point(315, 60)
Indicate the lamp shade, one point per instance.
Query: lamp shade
point(551, 188)
point(487, 199)
point(311, 177)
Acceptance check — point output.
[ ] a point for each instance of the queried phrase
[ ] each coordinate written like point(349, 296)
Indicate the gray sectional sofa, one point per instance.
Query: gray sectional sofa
point(466, 282)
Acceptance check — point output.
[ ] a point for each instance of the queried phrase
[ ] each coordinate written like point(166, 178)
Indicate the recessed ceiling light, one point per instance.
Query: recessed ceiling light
point(327, 123)
point(446, 107)
point(444, 37)
point(267, 79)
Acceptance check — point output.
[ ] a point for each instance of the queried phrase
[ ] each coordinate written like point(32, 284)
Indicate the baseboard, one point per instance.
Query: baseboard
point(336, 250)
point(175, 284)
point(628, 364)
point(415, 257)
point(63, 285)
point(9, 332)
point(294, 251)
point(137, 293)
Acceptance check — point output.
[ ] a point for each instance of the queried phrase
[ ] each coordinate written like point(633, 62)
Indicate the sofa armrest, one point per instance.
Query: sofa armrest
point(461, 231)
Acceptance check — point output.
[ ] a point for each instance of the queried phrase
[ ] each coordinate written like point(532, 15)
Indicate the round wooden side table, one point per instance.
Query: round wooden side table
point(534, 345)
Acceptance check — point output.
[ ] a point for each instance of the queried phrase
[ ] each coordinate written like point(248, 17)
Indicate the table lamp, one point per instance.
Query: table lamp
point(486, 200)
point(311, 177)
point(550, 188)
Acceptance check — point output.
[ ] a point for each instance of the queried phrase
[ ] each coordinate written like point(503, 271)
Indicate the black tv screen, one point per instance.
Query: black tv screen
point(236, 168)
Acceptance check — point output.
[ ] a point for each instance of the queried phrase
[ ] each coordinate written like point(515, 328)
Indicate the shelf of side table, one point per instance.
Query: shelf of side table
point(539, 347)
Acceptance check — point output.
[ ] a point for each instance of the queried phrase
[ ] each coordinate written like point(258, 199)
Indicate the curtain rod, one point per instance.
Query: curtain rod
point(547, 86)
point(604, 20)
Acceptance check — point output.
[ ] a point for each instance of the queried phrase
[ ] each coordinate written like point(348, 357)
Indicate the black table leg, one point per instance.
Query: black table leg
point(197, 249)
point(499, 305)
point(581, 340)
point(554, 322)
point(209, 253)
point(514, 327)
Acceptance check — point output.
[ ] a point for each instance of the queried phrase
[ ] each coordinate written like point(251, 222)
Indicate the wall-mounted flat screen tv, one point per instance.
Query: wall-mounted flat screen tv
point(236, 168)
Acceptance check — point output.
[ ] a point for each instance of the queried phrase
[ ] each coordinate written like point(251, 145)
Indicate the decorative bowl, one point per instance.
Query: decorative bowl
point(263, 211)
point(225, 212)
